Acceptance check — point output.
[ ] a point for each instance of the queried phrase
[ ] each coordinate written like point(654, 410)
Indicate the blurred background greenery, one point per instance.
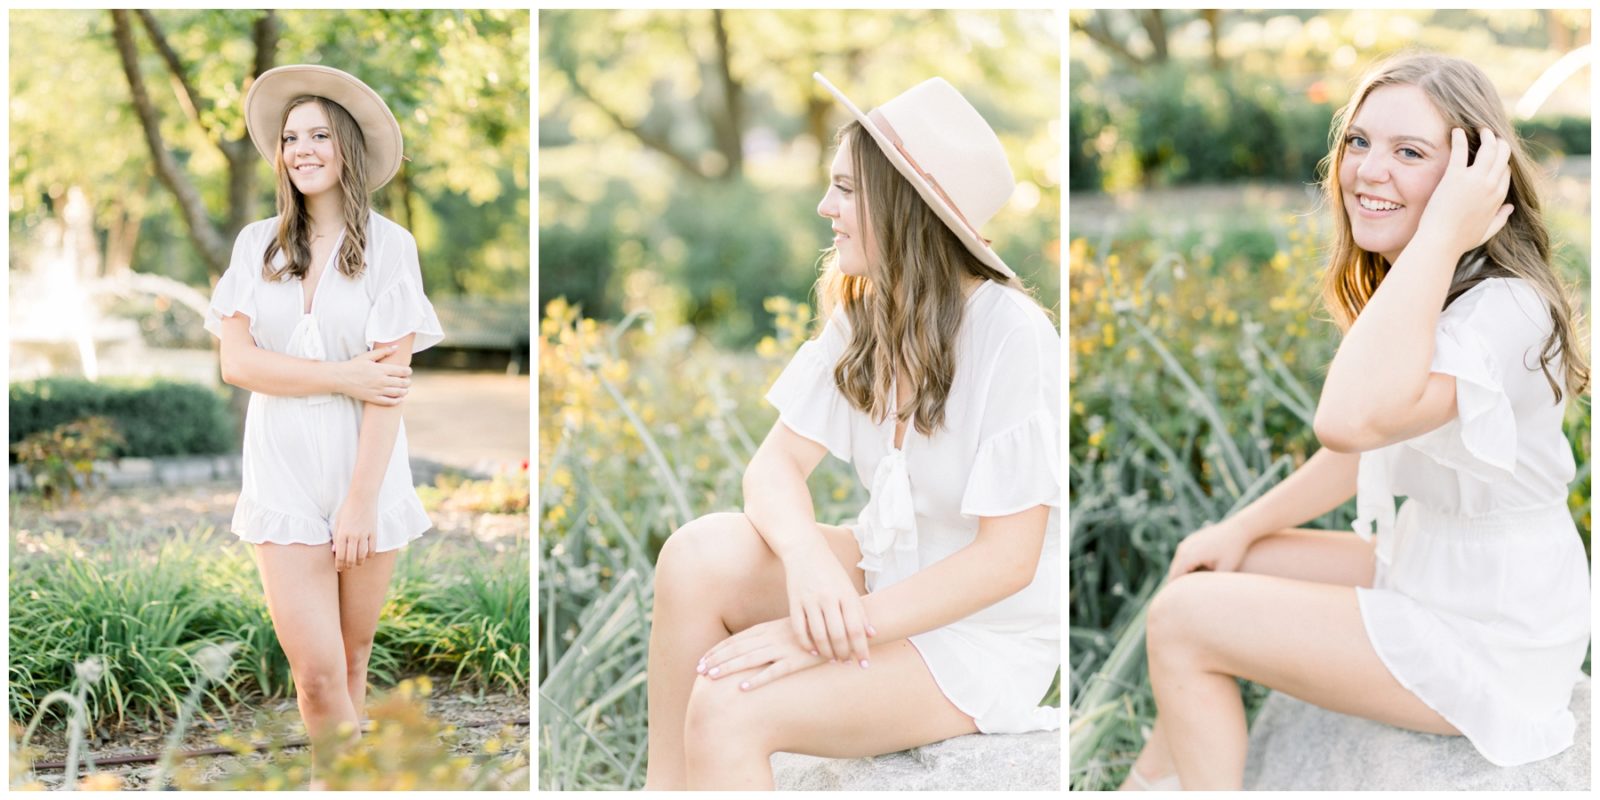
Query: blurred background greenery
point(681, 158)
point(1198, 340)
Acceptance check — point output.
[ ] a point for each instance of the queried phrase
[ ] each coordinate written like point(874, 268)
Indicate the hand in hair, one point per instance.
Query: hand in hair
point(1468, 206)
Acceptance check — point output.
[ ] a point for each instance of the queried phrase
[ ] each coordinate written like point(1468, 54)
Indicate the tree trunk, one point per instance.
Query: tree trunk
point(727, 117)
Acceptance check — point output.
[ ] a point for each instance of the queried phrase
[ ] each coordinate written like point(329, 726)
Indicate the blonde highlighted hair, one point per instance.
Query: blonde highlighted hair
point(1465, 98)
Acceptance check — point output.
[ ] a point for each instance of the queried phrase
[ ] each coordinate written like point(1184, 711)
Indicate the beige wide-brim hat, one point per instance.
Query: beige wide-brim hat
point(948, 152)
point(273, 89)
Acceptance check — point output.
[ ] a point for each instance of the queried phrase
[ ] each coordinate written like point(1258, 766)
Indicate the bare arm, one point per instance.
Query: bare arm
point(825, 613)
point(355, 529)
point(1000, 562)
point(257, 369)
point(1323, 483)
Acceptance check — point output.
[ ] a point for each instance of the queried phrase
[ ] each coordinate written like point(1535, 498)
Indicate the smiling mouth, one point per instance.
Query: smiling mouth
point(1372, 204)
point(307, 167)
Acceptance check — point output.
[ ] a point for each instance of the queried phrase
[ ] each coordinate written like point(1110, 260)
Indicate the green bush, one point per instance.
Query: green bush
point(1569, 135)
point(162, 418)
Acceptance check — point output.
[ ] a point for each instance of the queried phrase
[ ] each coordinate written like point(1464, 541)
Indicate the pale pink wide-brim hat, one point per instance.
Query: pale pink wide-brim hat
point(948, 152)
point(273, 89)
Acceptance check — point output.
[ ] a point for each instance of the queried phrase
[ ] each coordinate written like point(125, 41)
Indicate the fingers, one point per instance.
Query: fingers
point(777, 670)
point(1458, 149)
point(837, 638)
point(797, 622)
point(819, 633)
point(855, 627)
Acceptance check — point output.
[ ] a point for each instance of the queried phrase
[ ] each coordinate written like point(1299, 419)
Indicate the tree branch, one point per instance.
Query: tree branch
point(728, 122)
point(1101, 34)
point(206, 239)
point(648, 139)
point(187, 97)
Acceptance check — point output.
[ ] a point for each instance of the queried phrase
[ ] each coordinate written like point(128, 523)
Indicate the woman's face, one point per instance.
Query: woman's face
point(1396, 150)
point(309, 152)
point(839, 207)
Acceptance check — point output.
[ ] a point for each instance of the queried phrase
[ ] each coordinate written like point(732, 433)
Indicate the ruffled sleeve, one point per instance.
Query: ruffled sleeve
point(807, 399)
point(1491, 345)
point(401, 307)
point(1018, 464)
point(236, 292)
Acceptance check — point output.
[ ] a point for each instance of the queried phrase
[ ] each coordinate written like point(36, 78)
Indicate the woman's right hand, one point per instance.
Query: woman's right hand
point(1219, 547)
point(368, 380)
point(824, 610)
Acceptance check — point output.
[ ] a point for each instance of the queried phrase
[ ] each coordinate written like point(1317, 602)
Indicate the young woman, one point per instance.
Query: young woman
point(1469, 614)
point(937, 612)
point(319, 313)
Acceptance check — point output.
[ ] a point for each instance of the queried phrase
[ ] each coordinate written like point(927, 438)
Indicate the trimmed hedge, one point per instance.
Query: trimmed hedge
point(161, 418)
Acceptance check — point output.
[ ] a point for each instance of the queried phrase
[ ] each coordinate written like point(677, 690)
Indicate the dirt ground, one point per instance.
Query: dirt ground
point(151, 512)
point(489, 712)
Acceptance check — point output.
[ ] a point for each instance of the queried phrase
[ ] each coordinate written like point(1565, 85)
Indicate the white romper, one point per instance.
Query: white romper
point(300, 452)
point(1480, 602)
point(998, 454)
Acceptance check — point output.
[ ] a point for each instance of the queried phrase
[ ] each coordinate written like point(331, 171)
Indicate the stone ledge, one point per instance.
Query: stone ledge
point(1296, 745)
point(1025, 762)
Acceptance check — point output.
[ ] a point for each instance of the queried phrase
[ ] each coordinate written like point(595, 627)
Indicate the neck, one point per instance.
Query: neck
point(327, 211)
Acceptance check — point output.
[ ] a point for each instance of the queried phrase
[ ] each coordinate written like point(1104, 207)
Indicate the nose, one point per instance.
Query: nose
point(1373, 168)
point(828, 207)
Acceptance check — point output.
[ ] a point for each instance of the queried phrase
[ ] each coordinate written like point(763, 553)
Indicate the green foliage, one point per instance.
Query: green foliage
point(160, 418)
point(504, 493)
point(1560, 134)
point(61, 459)
point(146, 613)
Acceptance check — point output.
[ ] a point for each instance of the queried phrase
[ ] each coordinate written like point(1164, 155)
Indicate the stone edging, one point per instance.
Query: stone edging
point(158, 471)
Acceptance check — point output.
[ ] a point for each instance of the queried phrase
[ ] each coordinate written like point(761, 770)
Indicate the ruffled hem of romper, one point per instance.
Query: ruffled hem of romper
point(985, 701)
point(398, 525)
point(1425, 656)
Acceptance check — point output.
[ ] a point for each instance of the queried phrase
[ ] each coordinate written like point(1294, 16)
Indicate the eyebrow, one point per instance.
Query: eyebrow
point(840, 176)
point(1401, 138)
point(313, 130)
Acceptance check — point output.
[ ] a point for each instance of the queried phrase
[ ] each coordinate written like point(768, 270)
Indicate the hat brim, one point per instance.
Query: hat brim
point(273, 89)
point(930, 195)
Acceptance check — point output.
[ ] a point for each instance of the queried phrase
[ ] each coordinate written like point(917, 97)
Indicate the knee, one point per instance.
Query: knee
point(720, 719)
point(1172, 616)
point(321, 684)
point(357, 654)
point(702, 549)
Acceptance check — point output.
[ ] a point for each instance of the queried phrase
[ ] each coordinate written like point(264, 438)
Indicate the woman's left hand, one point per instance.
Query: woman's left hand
point(772, 644)
point(1469, 206)
point(355, 534)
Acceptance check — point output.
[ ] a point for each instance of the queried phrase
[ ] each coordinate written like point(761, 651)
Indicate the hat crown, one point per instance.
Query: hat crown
point(952, 143)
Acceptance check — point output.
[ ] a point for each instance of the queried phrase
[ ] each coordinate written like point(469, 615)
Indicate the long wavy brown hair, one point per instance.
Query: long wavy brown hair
point(907, 309)
point(294, 221)
point(1465, 98)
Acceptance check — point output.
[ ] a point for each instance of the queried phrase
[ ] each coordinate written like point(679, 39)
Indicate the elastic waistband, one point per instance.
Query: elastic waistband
point(1529, 519)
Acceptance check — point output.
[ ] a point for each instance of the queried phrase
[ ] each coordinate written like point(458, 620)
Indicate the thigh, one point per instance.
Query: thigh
point(1302, 638)
point(362, 591)
point(1307, 554)
point(728, 551)
point(838, 711)
point(302, 591)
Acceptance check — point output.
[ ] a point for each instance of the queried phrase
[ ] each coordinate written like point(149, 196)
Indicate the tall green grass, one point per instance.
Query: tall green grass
point(147, 612)
point(1195, 365)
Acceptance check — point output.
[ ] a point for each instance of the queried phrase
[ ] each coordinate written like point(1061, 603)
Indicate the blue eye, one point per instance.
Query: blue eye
point(1410, 152)
point(1356, 140)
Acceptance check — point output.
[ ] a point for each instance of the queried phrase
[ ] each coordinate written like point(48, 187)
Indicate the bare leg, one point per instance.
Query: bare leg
point(1302, 638)
point(1303, 554)
point(716, 576)
point(302, 590)
point(824, 711)
point(361, 594)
